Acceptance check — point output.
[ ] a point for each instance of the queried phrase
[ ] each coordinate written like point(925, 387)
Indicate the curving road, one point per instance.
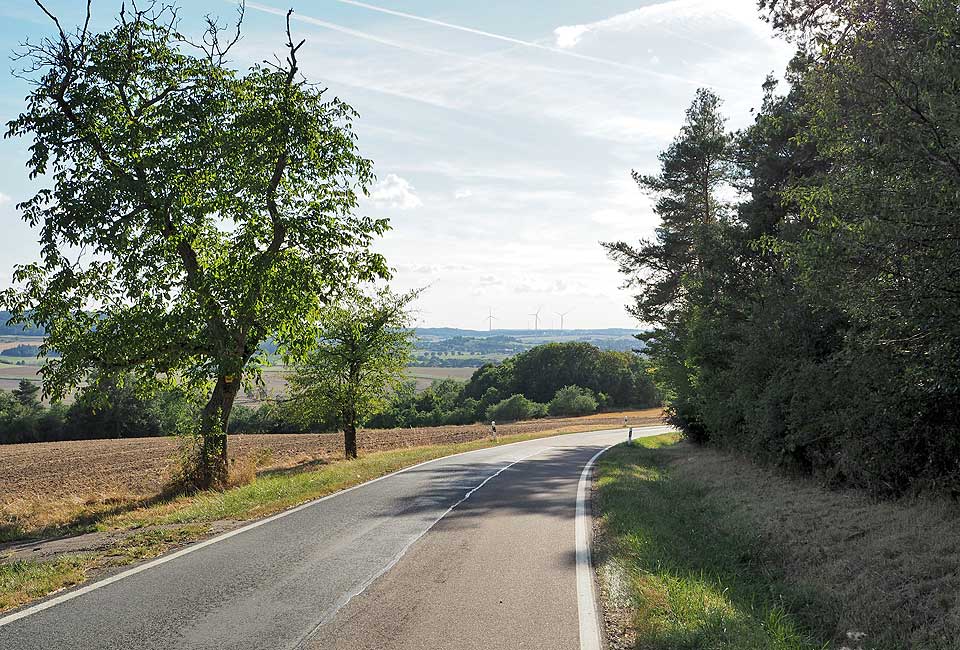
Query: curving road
point(470, 551)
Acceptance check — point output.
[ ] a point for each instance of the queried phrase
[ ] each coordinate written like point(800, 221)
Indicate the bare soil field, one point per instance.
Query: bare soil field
point(10, 375)
point(274, 386)
point(16, 372)
point(426, 375)
point(275, 383)
point(7, 342)
point(47, 476)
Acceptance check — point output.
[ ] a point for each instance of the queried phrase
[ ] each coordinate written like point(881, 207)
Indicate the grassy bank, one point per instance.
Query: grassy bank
point(143, 532)
point(700, 549)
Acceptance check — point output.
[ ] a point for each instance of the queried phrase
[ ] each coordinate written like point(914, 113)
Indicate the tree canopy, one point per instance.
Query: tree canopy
point(816, 321)
point(365, 343)
point(192, 210)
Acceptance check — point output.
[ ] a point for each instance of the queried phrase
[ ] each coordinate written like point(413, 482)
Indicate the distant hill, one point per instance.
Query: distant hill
point(567, 334)
point(450, 346)
point(17, 330)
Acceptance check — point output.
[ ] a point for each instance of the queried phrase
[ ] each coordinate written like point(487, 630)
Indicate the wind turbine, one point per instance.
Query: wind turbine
point(561, 315)
point(490, 319)
point(536, 319)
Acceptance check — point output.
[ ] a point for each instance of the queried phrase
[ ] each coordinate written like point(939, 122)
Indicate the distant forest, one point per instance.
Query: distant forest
point(17, 330)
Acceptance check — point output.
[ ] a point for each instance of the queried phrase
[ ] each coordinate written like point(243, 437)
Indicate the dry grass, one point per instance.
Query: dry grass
point(891, 568)
point(275, 381)
point(854, 571)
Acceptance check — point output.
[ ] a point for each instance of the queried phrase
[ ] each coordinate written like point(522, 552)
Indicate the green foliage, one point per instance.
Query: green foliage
point(115, 409)
point(816, 324)
point(440, 404)
point(572, 400)
point(516, 407)
point(27, 393)
point(696, 576)
point(272, 417)
point(541, 371)
point(365, 343)
point(599, 378)
point(208, 209)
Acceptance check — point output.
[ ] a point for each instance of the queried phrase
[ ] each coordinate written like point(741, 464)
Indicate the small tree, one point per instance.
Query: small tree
point(27, 393)
point(516, 407)
point(195, 211)
point(572, 400)
point(365, 343)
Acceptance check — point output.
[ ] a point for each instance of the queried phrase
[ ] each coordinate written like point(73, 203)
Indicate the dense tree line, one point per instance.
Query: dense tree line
point(555, 378)
point(9, 329)
point(448, 362)
point(814, 321)
point(117, 411)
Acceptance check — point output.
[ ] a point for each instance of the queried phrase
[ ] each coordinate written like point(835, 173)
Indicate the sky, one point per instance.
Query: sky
point(503, 132)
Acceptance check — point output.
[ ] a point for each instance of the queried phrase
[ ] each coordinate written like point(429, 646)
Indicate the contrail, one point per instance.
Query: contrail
point(350, 32)
point(515, 41)
point(432, 51)
point(407, 47)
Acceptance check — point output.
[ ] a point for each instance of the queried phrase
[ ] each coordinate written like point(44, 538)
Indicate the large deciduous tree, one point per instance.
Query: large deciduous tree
point(364, 345)
point(191, 210)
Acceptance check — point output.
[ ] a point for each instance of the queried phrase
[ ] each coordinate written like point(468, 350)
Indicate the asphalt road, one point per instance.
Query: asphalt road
point(470, 551)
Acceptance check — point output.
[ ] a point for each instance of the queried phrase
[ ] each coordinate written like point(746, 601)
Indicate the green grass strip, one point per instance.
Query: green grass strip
point(692, 578)
point(22, 581)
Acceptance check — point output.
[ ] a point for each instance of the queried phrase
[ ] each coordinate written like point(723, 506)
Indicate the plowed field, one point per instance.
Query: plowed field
point(98, 469)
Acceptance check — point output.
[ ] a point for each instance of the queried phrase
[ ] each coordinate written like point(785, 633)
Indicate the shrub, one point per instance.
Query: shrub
point(572, 400)
point(516, 407)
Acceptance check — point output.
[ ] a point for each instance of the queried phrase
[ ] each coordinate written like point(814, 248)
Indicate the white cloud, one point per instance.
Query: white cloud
point(633, 128)
point(625, 209)
point(395, 192)
point(462, 194)
point(432, 269)
point(680, 12)
point(569, 35)
point(4, 198)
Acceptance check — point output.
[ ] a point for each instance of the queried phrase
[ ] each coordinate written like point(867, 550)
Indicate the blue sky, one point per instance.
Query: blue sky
point(502, 158)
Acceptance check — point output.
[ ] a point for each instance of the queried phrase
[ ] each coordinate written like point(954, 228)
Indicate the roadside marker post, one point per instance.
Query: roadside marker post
point(630, 437)
point(493, 428)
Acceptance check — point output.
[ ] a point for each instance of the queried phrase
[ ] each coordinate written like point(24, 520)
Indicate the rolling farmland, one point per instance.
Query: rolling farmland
point(43, 480)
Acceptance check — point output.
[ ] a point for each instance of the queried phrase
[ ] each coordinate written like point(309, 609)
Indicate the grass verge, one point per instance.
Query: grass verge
point(21, 582)
point(699, 548)
point(151, 530)
point(679, 572)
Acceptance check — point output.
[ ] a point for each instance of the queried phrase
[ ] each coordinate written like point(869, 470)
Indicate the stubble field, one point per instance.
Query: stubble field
point(49, 480)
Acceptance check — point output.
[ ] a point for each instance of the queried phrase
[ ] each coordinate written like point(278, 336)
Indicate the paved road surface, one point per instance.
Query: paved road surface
point(356, 570)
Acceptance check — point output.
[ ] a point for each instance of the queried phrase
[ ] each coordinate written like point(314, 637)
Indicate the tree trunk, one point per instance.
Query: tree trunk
point(350, 439)
point(213, 431)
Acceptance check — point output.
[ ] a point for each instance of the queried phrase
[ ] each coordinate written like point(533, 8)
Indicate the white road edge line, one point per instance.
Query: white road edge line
point(590, 638)
point(70, 595)
point(331, 612)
